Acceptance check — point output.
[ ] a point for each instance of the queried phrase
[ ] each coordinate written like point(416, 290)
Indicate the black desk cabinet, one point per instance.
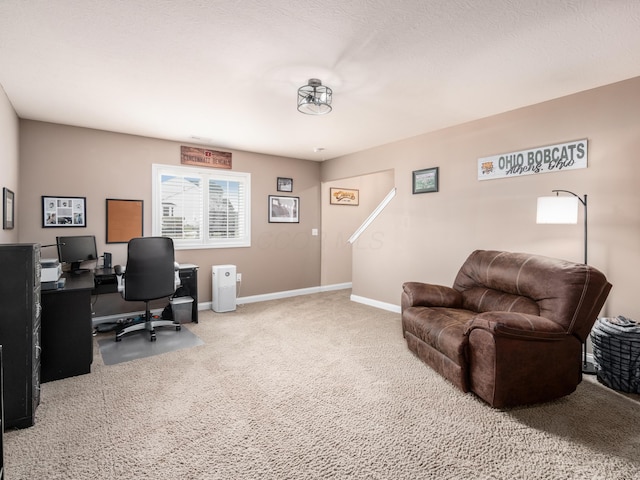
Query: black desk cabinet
point(20, 332)
point(1, 421)
point(67, 332)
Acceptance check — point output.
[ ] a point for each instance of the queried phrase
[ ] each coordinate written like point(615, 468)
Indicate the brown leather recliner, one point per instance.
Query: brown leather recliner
point(511, 327)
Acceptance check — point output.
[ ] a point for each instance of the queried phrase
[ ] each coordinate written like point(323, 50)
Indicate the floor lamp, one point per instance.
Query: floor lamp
point(564, 210)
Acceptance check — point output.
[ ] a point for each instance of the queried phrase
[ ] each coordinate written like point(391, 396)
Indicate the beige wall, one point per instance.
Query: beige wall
point(63, 160)
point(8, 160)
point(339, 222)
point(418, 237)
point(427, 236)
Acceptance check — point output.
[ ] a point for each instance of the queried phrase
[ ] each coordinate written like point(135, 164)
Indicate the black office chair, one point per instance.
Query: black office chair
point(151, 273)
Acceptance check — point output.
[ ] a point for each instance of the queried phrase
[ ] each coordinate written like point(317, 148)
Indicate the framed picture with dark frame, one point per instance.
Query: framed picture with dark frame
point(285, 184)
point(8, 209)
point(425, 180)
point(64, 211)
point(283, 209)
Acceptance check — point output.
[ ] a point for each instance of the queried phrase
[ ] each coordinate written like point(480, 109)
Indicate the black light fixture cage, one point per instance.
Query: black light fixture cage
point(314, 98)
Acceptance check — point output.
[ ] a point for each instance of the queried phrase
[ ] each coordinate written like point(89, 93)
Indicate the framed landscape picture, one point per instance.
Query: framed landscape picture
point(284, 209)
point(426, 180)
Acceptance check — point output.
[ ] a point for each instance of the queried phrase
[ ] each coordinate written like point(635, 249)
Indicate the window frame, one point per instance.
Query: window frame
point(206, 175)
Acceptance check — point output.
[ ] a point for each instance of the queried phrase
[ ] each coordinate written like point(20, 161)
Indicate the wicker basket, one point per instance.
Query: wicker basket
point(616, 353)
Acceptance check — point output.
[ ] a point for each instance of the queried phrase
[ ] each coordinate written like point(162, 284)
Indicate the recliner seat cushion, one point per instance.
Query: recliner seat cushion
point(441, 328)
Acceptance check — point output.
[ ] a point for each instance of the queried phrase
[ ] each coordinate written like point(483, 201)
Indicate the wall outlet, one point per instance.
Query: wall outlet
point(238, 277)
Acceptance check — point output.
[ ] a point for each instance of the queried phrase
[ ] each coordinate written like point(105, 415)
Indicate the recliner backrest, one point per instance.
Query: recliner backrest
point(150, 271)
point(570, 294)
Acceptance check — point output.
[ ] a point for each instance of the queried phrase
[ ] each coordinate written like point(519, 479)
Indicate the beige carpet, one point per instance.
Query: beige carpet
point(310, 387)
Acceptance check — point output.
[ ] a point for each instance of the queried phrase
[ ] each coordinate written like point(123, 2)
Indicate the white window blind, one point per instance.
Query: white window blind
point(201, 208)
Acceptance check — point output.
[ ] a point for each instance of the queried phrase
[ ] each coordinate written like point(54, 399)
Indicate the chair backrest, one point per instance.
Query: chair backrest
point(150, 271)
point(570, 294)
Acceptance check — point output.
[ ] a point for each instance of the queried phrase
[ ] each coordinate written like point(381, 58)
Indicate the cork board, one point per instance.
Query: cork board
point(124, 220)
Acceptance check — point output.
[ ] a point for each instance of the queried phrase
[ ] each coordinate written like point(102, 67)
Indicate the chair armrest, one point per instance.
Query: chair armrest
point(176, 268)
point(119, 269)
point(520, 325)
point(416, 294)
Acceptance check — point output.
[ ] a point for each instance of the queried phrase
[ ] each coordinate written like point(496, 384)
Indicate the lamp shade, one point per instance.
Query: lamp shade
point(558, 210)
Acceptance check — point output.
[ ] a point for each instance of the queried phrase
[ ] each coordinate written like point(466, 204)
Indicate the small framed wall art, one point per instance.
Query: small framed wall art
point(344, 196)
point(7, 209)
point(425, 180)
point(284, 209)
point(285, 184)
point(64, 211)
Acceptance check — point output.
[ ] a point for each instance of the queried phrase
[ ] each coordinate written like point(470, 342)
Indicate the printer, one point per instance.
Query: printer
point(50, 273)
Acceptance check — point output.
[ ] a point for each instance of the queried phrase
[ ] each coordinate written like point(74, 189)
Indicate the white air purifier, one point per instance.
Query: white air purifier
point(223, 288)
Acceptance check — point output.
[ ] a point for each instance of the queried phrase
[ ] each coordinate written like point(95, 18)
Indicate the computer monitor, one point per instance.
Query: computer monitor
point(77, 249)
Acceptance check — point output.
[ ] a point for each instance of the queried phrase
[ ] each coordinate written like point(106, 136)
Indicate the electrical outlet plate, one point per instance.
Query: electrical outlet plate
point(238, 277)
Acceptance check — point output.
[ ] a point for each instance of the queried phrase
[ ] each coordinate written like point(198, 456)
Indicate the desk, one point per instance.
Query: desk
point(106, 286)
point(67, 332)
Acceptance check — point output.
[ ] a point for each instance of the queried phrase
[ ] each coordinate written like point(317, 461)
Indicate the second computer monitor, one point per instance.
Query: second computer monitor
point(76, 249)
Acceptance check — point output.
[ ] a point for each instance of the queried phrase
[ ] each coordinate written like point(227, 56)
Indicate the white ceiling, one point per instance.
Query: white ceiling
point(225, 73)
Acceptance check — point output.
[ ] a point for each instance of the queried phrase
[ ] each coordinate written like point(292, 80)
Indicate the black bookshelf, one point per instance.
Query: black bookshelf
point(20, 332)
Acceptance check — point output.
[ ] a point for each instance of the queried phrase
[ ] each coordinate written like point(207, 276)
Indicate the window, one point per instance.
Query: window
point(201, 208)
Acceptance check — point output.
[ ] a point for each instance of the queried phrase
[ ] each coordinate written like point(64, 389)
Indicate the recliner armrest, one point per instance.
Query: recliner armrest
point(520, 325)
point(428, 295)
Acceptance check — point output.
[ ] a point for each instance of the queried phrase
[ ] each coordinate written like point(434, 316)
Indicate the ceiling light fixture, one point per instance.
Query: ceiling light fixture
point(314, 98)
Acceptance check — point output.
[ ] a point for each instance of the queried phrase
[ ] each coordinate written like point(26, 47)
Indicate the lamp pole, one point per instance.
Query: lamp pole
point(583, 200)
point(587, 367)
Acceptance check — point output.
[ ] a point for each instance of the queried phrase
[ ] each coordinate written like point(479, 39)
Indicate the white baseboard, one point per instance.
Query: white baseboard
point(269, 296)
point(239, 301)
point(375, 303)
point(291, 293)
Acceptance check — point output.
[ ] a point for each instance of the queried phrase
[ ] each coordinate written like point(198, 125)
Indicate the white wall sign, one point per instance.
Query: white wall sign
point(552, 158)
